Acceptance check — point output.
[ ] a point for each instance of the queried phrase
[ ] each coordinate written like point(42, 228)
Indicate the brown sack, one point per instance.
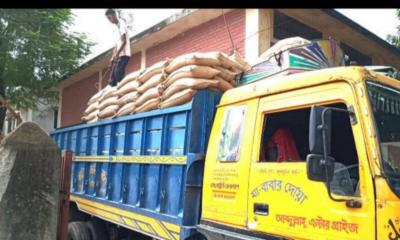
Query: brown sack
point(108, 91)
point(203, 59)
point(130, 77)
point(226, 74)
point(91, 116)
point(92, 107)
point(131, 86)
point(226, 62)
point(93, 120)
point(191, 71)
point(128, 98)
point(239, 59)
point(153, 70)
point(107, 102)
point(154, 92)
point(185, 83)
point(149, 105)
point(128, 108)
point(95, 97)
point(151, 82)
point(224, 85)
point(179, 98)
point(108, 111)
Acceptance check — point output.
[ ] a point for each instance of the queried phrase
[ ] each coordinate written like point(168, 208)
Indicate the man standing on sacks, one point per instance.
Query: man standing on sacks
point(122, 49)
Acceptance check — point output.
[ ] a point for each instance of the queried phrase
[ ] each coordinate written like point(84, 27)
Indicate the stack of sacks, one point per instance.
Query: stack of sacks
point(191, 72)
point(143, 92)
point(92, 110)
point(108, 103)
point(168, 83)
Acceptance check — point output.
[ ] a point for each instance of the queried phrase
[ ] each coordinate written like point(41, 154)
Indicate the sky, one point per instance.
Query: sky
point(99, 30)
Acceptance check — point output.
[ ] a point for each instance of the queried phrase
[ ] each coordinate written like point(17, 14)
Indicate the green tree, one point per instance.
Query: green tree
point(395, 39)
point(37, 49)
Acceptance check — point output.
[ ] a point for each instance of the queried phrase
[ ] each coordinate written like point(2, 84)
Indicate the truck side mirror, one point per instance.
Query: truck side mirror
point(320, 166)
point(320, 169)
point(320, 123)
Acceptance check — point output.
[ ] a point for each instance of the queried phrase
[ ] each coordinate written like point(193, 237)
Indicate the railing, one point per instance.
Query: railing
point(12, 119)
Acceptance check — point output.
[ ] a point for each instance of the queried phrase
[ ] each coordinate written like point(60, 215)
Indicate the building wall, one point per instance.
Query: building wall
point(209, 36)
point(75, 98)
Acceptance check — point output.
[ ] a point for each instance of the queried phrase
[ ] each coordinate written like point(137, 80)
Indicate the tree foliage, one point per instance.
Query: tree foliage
point(395, 39)
point(36, 50)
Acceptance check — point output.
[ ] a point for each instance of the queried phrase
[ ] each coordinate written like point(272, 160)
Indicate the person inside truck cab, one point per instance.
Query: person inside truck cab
point(281, 147)
point(122, 50)
point(285, 140)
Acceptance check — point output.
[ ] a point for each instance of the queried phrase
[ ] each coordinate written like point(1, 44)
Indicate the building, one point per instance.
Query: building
point(252, 30)
point(45, 116)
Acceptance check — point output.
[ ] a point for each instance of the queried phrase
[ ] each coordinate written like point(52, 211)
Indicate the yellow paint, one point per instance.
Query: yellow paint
point(298, 215)
point(134, 221)
point(179, 160)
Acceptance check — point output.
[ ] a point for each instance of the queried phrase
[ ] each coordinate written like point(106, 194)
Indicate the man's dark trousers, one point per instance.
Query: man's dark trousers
point(118, 70)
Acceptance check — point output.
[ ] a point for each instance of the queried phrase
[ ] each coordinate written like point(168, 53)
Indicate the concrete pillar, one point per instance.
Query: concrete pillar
point(30, 174)
point(59, 107)
point(100, 81)
point(258, 33)
point(143, 59)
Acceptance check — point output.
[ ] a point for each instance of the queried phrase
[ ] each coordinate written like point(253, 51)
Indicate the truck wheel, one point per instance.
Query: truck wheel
point(97, 230)
point(78, 231)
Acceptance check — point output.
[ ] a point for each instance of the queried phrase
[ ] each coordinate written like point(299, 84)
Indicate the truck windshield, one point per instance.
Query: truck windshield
point(385, 102)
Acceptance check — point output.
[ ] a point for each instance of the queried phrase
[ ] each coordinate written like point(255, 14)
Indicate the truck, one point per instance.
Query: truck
point(312, 155)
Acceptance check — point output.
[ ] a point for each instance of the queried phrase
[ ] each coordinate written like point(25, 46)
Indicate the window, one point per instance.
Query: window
point(55, 118)
point(285, 139)
point(285, 27)
point(231, 134)
point(355, 55)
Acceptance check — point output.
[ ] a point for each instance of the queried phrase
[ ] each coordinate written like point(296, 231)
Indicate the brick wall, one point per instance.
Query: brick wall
point(209, 36)
point(75, 98)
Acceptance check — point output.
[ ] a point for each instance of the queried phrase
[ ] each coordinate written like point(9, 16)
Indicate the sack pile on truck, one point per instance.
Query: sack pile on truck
point(167, 83)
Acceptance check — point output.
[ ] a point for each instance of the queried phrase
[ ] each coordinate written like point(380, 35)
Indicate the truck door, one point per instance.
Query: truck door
point(282, 200)
point(227, 165)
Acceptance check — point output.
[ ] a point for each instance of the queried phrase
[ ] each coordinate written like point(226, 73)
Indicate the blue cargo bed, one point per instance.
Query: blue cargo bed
point(143, 171)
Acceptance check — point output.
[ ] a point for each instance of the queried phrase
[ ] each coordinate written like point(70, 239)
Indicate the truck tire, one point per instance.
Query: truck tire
point(97, 230)
point(78, 231)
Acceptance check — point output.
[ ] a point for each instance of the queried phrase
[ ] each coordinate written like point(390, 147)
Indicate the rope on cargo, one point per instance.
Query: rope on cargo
point(229, 32)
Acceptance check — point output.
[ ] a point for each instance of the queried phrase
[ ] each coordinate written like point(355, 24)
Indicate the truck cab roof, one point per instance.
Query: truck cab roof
point(276, 84)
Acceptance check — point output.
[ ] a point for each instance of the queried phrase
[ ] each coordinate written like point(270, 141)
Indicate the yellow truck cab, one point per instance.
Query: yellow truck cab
point(314, 155)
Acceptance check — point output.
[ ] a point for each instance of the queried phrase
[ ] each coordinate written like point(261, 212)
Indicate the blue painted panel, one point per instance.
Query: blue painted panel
point(63, 145)
point(153, 136)
point(93, 141)
point(176, 132)
point(105, 140)
point(132, 182)
point(116, 181)
point(150, 187)
point(134, 138)
point(92, 178)
point(83, 142)
point(103, 180)
point(72, 142)
point(80, 185)
point(119, 139)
